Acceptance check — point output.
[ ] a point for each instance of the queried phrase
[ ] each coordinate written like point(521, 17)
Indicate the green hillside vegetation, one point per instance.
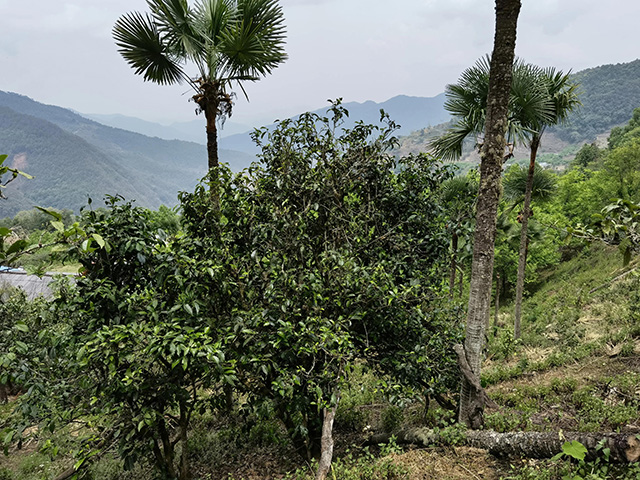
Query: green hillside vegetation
point(608, 94)
point(66, 168)
point(241, 335)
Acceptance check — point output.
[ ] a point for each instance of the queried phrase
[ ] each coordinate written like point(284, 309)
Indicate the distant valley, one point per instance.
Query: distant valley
point(73, 158)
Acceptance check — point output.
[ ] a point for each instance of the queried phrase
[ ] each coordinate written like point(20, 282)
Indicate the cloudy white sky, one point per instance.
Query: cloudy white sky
point(61, 52)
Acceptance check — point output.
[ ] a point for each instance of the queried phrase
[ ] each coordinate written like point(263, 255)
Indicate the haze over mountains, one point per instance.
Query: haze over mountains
point(411, 113)
point(73, 157)
point(192, 131)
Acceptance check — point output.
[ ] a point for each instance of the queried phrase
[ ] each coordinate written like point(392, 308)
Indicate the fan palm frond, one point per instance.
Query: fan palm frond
point(141, 45)
point(515, 183)
point(174, 20)
point(448, 146)
point(254, 41)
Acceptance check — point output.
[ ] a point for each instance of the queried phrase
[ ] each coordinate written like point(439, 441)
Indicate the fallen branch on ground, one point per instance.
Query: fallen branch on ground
point(623, 447)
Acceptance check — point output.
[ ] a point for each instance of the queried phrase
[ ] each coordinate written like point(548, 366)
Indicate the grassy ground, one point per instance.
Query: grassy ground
point(577, 367)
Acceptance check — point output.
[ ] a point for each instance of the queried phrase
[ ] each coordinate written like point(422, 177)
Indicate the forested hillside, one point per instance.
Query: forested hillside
point(609, 94)
point(65, 167)
point(83, 157)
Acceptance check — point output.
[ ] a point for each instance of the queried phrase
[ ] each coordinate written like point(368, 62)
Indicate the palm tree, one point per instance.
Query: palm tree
point(515, 181)
point(472, 397)
point(467, 103)
point(563, 97)
point(227, 42)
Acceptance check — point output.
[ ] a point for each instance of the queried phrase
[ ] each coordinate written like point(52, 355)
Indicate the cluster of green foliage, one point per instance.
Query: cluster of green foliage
point(600, 194)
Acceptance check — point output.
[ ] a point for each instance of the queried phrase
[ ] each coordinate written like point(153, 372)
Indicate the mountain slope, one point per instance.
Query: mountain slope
point(609, 94)
point(66, 168)
point(192, 131)
point(150, 170)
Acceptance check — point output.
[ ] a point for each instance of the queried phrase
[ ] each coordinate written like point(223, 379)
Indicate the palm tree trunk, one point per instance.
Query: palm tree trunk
point(471, 399)
point(522, 256)
point(452, 267)
point(212, 154)
point(623, 447)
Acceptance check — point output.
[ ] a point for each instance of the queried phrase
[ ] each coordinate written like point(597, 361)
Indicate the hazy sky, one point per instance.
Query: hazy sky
point(61, 52)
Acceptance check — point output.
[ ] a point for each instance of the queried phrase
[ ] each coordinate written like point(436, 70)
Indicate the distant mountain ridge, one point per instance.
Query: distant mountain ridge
point(73, 157)
point(192, 131)
point(411, 113)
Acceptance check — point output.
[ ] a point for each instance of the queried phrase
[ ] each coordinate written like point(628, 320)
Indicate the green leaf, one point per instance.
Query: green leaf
point(59, 226)
point(9, 436)
point(21, 327)
point(17, 247)
point(574, 449)
point(21, 347)
point(99, 240)
point(53, 213)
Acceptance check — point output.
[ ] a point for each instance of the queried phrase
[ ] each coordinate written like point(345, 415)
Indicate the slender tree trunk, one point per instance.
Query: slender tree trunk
point(212, 154)
point(497, 305)
point(492, 153)
point(326, 443)
point(4, 393)
point(452, 267)
point(522, 256)
point(185, 473)
point(165, 458)
point(460, 283)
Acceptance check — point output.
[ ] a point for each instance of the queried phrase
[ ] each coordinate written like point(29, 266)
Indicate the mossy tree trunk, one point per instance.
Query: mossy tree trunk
point(492, 153)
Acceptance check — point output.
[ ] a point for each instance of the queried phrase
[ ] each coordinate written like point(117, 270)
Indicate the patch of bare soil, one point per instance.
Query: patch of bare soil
point(453, 463)
point(251, 463)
